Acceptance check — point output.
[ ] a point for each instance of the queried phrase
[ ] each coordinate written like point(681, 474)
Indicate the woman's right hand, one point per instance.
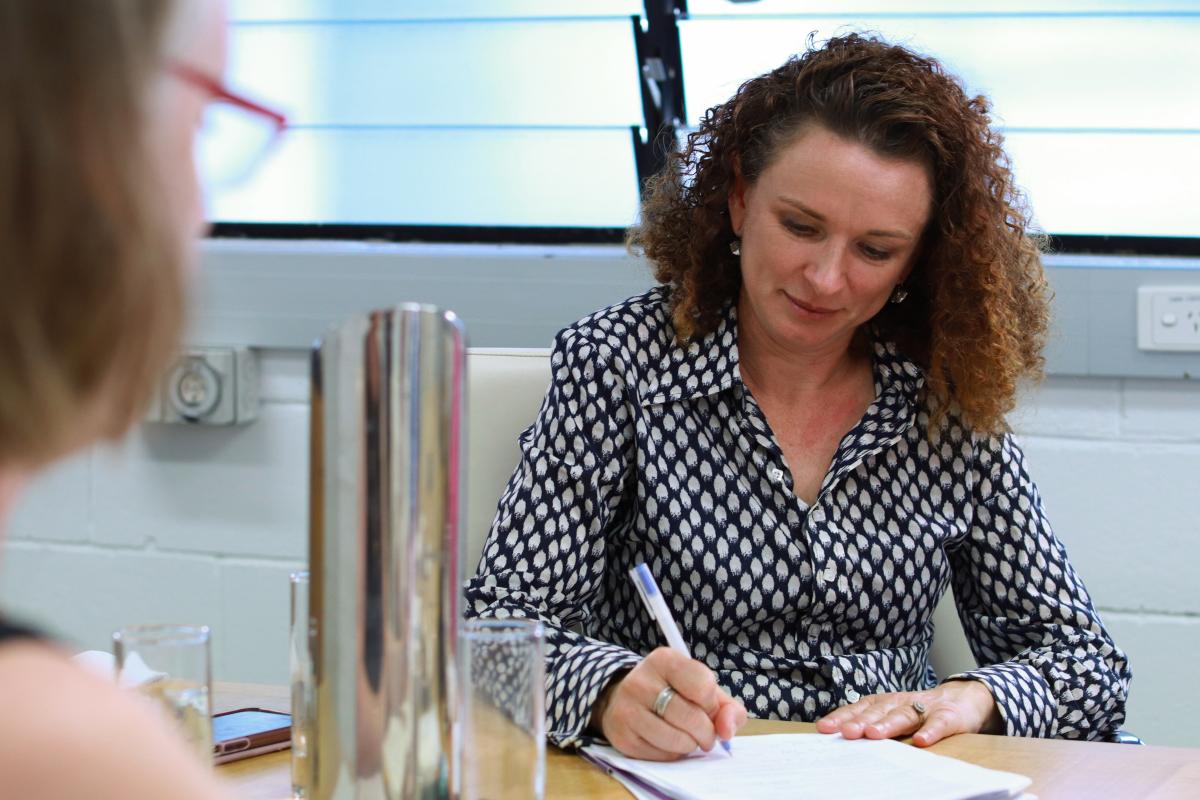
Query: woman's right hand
point(699, 713)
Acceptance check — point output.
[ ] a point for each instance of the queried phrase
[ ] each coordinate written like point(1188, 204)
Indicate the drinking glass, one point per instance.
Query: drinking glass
point(303, 701)
point(171, 664)
point(502, 730)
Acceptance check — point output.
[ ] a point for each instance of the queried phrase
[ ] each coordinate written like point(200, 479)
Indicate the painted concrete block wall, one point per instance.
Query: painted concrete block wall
point(205, 525)
point(177, 524)
point(1118, 465)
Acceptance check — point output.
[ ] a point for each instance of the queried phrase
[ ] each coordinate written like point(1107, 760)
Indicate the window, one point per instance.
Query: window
point(513, 113)
point(527, 114)
point(1099, 101)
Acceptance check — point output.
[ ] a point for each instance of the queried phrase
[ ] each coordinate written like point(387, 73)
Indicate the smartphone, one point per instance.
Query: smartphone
point(249, 732)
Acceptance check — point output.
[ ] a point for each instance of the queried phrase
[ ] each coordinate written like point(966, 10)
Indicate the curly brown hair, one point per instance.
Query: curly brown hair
point(979, 305)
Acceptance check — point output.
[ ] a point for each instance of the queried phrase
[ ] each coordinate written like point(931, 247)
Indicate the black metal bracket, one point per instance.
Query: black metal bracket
point(656, 36)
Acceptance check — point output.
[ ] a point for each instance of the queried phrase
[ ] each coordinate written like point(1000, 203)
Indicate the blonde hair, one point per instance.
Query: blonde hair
point(91, 282)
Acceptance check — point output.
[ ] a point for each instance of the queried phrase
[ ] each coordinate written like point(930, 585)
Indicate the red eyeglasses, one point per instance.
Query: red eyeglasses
point(237, 132)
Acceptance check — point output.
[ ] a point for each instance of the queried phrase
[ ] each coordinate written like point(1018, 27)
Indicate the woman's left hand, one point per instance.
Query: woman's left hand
point(954, 707)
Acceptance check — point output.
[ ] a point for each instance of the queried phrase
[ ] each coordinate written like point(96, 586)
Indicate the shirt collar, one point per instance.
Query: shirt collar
point(893, 372)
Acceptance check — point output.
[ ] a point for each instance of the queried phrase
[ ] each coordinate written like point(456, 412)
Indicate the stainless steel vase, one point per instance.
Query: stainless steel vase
point(387, 444)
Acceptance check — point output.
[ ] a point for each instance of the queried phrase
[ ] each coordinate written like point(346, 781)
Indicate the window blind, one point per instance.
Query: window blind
point(456, 112)
point(1099, 101)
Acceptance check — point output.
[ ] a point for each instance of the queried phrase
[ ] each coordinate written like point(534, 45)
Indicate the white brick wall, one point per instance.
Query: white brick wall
point(204, 525)
point(1118, 465)
point(178, 524)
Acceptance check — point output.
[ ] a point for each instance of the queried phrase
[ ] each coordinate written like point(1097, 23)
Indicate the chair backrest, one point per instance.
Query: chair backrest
point(951, 653)
point(505, 389)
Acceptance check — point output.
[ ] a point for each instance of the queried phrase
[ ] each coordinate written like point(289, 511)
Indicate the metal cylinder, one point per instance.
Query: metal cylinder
point(386, 501)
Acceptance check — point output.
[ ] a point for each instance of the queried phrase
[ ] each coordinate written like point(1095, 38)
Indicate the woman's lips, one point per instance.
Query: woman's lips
point(810, 309)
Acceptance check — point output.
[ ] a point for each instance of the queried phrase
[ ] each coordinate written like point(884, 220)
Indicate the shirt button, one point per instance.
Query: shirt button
point(776, 474)
point(829, 574)
point(852, 696)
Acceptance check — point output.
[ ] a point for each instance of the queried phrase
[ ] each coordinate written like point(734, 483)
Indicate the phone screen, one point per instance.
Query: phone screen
point(247, 723)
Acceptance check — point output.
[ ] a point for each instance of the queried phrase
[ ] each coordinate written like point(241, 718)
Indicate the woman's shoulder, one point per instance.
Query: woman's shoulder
point(56, 713)
point(904, 377)
point(41, 689)
point(635, 342)
point(629, 325)
point(627, 339)
point(992, 459)
point(953, 429)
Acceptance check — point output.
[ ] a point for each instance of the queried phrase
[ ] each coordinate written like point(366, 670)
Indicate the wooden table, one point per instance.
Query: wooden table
point(1059, 769)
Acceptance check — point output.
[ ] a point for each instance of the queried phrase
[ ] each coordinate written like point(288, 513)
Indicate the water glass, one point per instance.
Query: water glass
point(502, 724)
point(173, 665)
point(303, 699)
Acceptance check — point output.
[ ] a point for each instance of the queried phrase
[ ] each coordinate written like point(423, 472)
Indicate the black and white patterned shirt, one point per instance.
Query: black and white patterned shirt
point(645, 450)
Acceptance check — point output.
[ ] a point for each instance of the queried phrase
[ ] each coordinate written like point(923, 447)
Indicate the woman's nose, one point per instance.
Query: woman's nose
point(826, 267)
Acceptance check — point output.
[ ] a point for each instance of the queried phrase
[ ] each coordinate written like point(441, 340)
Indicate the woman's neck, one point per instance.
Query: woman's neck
point(793, 374)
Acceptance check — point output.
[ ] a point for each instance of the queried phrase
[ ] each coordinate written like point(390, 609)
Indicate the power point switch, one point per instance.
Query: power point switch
point(209, 386)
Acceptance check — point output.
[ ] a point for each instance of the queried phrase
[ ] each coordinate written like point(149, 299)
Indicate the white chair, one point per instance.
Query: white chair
point(504, 391)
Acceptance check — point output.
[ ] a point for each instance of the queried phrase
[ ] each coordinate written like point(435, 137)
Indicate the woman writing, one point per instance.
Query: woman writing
point(801, 432)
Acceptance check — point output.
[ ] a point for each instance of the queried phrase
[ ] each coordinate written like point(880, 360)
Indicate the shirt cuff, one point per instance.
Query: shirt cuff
point(1024, 699)
point(581, 671)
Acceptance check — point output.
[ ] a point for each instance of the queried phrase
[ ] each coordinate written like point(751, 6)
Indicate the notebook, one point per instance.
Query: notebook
point(810, 765)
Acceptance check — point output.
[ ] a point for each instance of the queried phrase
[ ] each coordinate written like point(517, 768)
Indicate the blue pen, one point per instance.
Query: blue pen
point(653, 599)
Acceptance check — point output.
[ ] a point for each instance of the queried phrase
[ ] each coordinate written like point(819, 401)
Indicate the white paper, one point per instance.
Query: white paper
point(810, 765)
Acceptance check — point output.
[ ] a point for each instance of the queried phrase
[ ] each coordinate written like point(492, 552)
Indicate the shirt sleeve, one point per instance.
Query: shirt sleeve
point(1054, 669)
point(544, 557)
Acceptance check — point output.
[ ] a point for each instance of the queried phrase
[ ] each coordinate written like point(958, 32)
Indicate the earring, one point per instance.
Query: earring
point(898, 294)
point(735, 247)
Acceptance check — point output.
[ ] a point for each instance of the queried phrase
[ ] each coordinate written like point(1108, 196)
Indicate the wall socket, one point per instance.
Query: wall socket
point(1169, 318)
point(209, 386)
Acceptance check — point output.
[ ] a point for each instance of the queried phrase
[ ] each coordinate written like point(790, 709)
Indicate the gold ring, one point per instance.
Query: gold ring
point(663, 700)
point(919, 707)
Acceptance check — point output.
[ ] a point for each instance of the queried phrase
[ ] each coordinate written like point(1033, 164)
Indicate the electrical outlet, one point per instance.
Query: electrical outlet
point(209, 386)
point(1169, 318)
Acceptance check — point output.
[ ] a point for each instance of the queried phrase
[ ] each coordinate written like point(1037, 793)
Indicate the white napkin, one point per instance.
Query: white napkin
point(104, 664)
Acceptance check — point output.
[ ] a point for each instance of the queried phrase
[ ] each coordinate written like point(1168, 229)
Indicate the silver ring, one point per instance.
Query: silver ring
point(919, 707)
point(663, 700)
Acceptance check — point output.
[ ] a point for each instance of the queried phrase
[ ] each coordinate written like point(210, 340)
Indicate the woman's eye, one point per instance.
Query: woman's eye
point(875, 254)
point(799, 228)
